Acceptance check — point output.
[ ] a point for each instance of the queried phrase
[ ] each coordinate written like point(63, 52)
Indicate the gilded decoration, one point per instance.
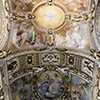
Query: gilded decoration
point(49, 50)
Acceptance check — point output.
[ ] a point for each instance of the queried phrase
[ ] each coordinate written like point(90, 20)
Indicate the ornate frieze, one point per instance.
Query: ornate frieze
point(39, 70)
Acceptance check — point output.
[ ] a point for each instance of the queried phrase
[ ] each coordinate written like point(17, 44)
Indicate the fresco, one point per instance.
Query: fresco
point(80, 89)
point(21, 89)
point(40, 40)
point(75, 36)
point(49, 17)
point(71, 5)
point(50, 85)
point(22, 5)
point(24, 35)
point(70, 34)
point(76, 5)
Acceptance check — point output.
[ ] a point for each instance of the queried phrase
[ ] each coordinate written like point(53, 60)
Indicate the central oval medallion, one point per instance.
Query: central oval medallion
point(49, 16)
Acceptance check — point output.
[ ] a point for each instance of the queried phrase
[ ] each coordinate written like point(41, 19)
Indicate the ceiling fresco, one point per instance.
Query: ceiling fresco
point(71, 5)
point(49, 50)
point(64, 18)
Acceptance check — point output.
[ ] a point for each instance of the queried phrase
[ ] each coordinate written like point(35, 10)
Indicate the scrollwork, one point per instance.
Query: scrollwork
point(4, 53)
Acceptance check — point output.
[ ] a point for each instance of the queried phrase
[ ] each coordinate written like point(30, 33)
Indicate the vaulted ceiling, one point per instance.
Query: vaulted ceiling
point(49, 49)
